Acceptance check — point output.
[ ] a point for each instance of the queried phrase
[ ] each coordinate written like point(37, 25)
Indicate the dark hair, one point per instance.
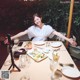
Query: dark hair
point(37, 14)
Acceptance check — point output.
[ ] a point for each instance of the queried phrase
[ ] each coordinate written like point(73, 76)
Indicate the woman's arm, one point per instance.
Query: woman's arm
point(16, 36)
point(70, 40)
point(19, 35)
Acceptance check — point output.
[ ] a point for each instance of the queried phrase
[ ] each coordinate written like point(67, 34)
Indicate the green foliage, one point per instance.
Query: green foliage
point(57, 15)
point(76, 22)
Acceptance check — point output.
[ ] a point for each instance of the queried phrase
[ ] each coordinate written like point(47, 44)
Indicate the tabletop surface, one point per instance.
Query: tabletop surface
point(39, 70)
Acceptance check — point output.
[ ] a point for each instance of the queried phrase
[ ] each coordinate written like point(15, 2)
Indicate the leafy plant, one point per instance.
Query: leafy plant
point(57, 15)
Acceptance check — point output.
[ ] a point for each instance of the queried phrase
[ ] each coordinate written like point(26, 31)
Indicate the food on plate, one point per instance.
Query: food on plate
point(36, 54)
point(28, 45)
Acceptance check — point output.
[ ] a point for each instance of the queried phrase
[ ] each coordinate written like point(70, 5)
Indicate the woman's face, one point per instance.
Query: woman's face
point(37, 20)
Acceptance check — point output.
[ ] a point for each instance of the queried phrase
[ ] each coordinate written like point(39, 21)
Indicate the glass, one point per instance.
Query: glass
point(54, 74)
point(16, 42)
point(55, 56)
point(25, 77)
point(7, 63)
point(54, 66)
point(28, 59)
point(47, 44)
point(22, 61)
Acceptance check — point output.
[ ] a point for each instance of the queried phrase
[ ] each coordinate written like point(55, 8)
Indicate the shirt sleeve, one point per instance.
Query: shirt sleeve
point(50, 30)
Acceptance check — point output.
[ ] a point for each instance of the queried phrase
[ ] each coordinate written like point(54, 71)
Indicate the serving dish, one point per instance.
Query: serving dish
point(36, 54)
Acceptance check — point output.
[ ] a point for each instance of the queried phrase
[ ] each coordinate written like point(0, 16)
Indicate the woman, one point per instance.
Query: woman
point(40, 32)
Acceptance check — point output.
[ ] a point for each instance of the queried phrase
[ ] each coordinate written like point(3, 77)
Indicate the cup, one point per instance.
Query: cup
point(16, 41)
point(55, 57)
point(53, 68)
point(25, 76)
point(22, 61)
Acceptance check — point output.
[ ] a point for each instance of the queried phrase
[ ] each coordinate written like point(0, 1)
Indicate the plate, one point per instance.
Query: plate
point(37, 55)
point(56, 44)
point(47, 49)
point(70, 72)
point(39, 43)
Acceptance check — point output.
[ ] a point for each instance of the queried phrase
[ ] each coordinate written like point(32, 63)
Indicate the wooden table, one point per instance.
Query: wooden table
point(40, 70)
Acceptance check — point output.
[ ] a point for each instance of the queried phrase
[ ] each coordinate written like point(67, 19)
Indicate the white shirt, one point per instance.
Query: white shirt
point(40, 34)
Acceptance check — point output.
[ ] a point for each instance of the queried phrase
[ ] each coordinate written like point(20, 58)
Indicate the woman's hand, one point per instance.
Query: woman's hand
point(72, 42)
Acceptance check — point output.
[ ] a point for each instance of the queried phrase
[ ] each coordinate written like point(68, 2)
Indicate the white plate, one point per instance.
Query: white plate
point(70, 72)
point(39, 43)
point(47, 50)
point(56, 44)
point(36, 55)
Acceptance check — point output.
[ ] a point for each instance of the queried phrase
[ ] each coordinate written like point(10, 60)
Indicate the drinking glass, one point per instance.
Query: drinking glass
point(53, 68)
point(22, 61)
point(25, 77)
point(28, 60)
point(7, 63)
point(15, 47)
point(16, 41)
point(55, 57)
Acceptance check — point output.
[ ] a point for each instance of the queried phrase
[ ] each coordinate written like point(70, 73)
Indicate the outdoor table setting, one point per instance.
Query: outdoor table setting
point(42, 60)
